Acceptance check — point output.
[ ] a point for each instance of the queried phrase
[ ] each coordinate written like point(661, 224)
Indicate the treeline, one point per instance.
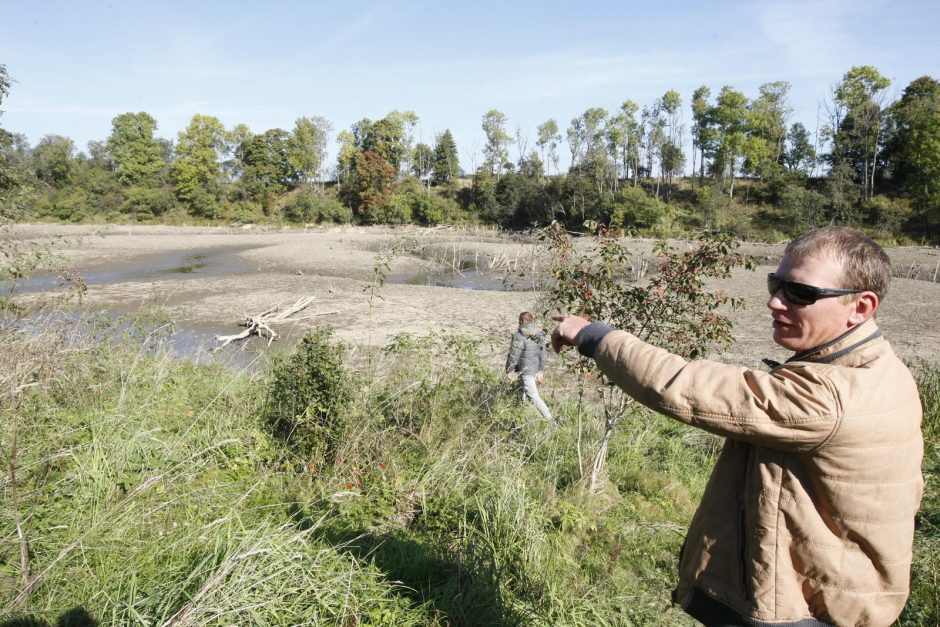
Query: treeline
point(740, 165)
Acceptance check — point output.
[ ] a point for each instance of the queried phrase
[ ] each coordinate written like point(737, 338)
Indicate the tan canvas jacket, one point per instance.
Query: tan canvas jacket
point(809, 511)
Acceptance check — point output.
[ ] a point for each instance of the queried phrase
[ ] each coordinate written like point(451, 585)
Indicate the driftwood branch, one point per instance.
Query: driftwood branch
point(260, 324)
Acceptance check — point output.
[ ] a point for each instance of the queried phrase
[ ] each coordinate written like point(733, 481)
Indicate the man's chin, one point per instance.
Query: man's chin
point(787, 342)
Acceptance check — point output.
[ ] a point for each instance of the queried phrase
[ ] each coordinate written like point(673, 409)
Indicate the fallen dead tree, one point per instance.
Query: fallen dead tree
point(260, 324)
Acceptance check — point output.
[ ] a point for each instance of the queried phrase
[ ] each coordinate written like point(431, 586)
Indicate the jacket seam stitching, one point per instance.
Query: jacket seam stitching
point(783, 475)
point(841, 547)
point(844, 589)
point(854, 480)
point(689, 413)
point(838, 414)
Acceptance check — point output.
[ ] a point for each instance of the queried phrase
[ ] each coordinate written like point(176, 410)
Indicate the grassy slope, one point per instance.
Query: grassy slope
point(153, 492)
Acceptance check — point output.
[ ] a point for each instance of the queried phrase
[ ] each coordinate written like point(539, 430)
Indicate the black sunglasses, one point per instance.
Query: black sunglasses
point(802, 294)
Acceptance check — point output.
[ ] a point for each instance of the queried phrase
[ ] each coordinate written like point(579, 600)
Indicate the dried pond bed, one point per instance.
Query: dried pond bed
point(212, 276)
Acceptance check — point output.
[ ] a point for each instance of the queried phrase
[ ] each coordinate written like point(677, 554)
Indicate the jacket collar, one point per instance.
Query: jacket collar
point(849, 341)
point(530, 329)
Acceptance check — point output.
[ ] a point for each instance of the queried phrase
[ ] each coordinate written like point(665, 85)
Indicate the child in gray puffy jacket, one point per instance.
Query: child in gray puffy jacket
point(527, 357)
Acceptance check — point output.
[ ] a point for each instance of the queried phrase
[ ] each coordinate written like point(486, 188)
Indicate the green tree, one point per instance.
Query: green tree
point(5, 83)
point(767, 119)
point(587, 139)
point(422, 163)
point(483, 197)
point(266, 168)
point(800, 153)
point(137, 156)
point(235, 139)
point(915, 148)
point(548, 140)
point(446, 162)
point(496, 150)
point(54, 159)
point(531, 166)
point(197, 171)
point(730, 118)
point(307, 147)
point(704, 134)
point(14, 188)
point(390, 138)
point(623, 140)
point(375, 182)
point(669, 148)
point(349, 151)
point(857, 123)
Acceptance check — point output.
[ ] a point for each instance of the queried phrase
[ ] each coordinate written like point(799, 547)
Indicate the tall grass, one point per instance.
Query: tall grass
point(156, 491)
point(150, 495)
point(923, 608)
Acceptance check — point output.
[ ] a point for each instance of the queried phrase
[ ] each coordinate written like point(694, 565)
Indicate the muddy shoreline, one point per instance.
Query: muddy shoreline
point(208, 277)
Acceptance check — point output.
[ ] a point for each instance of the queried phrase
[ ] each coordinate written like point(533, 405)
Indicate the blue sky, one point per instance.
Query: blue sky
point(77, 65)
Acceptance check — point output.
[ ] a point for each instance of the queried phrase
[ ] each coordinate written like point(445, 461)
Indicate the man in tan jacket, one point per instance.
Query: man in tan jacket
point(808, 517)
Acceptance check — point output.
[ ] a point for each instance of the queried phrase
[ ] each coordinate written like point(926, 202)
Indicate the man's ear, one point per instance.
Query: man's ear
point(865, 306)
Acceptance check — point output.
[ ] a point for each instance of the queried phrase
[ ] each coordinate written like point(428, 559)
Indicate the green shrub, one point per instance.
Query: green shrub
point(72, 204)
point(312, 206)
point(145, 203)
point(429, 209)
point(634, 207)
point(203, 203)
point(888, 215)
point(310, 394)
point(397, 210)
point(241, 210)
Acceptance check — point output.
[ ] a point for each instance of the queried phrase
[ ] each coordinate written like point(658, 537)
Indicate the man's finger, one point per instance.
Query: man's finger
point(557, 343)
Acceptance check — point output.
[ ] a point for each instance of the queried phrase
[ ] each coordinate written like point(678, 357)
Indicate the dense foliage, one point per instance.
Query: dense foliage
point(741, 166)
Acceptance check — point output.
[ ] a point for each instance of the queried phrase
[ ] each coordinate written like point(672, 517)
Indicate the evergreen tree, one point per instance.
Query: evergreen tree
point(446, 162)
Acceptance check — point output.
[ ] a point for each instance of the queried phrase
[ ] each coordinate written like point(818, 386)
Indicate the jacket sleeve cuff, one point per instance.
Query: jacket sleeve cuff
point(590, 337)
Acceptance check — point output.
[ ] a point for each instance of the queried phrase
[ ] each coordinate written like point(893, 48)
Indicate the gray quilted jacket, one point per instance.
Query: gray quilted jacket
point(527, 353)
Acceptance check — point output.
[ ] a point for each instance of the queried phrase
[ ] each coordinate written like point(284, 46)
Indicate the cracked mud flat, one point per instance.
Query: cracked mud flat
point(210, 276)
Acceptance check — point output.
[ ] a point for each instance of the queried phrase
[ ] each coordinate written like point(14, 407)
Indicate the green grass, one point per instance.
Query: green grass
point(154, 491)
point(923, 608)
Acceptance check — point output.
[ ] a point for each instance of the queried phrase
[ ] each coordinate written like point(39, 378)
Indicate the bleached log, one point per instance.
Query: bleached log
point(260, 324)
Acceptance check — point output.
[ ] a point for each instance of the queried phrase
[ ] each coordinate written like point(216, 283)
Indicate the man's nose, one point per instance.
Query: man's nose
point(776, 301)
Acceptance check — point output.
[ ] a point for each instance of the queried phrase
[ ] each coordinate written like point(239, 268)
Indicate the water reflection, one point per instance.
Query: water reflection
point(209, 262)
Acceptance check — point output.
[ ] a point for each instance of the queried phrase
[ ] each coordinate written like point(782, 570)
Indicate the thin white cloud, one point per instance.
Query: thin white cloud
point(815, 36)
point(349, 32)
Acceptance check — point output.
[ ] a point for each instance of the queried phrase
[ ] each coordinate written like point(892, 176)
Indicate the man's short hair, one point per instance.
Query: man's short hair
point(525, 317)
point(865, 264)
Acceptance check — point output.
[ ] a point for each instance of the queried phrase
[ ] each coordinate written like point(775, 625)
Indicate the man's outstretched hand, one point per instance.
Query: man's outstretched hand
point(566, 333)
